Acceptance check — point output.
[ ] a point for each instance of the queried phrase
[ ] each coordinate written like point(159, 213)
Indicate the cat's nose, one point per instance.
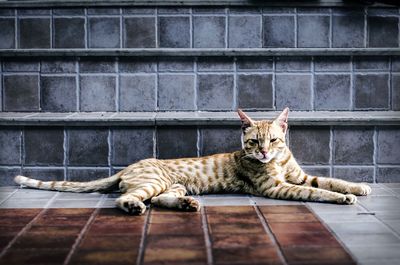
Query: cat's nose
point(264, 152)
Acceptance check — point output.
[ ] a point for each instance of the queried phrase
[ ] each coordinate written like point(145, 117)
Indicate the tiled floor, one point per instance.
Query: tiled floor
point(251, 231)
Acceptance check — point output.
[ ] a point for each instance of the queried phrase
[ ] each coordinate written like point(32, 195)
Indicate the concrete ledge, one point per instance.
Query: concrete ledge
point(246, 52)
point(194, 118)
point(99, 3)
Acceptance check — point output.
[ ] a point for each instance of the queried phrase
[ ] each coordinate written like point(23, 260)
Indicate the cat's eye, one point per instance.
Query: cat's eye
point(253, 141)
point(273, 140)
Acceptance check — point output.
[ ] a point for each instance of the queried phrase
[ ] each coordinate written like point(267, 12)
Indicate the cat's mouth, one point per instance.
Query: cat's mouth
point(264, 158)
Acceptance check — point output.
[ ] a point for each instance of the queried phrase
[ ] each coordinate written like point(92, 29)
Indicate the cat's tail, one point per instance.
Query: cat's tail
point(90, 186)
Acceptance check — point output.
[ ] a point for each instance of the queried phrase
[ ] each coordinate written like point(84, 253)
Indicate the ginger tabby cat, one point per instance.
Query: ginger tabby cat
point(264, 167)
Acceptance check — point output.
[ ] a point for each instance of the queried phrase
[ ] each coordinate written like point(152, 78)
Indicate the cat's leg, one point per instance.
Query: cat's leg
point(175, 198)
point(298, 177)
point(303, 193)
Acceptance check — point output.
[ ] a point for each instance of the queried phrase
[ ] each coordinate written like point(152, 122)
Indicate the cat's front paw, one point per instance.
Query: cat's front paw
point(347, 199)
point(189, 204)
point(361, 189)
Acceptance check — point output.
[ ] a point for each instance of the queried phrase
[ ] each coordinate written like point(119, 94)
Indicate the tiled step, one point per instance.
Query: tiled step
point(186, 118)
point(183, 52)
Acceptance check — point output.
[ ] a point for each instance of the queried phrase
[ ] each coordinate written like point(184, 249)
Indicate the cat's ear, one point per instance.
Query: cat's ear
point(282, 120)
point(246, 120)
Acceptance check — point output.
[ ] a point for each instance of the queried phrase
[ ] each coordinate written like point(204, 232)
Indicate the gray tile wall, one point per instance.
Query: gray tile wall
point(199, 28)
point(189, 84)
point(352, 153)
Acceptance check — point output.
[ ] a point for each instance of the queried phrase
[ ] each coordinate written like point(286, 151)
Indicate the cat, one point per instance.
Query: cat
point(264, 167)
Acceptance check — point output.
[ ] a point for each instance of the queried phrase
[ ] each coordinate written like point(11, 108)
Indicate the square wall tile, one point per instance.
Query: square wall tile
point(175, 142)
point(353, 146)
point(209, 32)
point(137, 93)
point(310, 145)
point(388, 174)
point(44, 174)
point(44, 146)
point(7, 33)
point(336, 63)
point(69, 33)
point(58, 66)
point(366, 89)
point(348, 31)
point(255, 91)
point(58, 93)
point(313, 31)
point(7, 176)
point(332, 92)
point(88, 147)
point(103, 11)
point(257, 63)
point(211, 64)
point(21, 65)
point(10, 141)
point(294, 63)
point(175, 64)
point(34, 33)
point(130, 145)
point(278, 31)
point(371, 63)
point(21, 93)
point(215, 140)
point(214, 91)
point(68, 12)
point(97, 65)
point(176, 92)
point(377, 37)
point(97, 93)
point(86, 174)
point(395, 92)
point(244, 32)
point(174, 32)
point(135, 65)
point(293, 91)
point(33, 12)
point(389, 145)
point(104, 32)
point(317, 171)
point(354, 174)
point(139, 32)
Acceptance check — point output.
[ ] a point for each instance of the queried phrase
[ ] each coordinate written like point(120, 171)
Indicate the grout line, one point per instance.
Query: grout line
point(110, 147)
point(312, 86)
point(27, 226)
point(207, 239)
point(65, 147)
point(235, 88)
point(375, 153)
point(142, 245)
point(80, 236)
point(227, 18)
point(121, 29)
point(16, 31)
point(78, 85)
point(332, 150)
point(366, 37)
point(22, 148)
point(156, 27)
point(9, 196)
point(191, 27)
point(295, 28)
point(117, 84)
point(352, 82)
point(330, 37)
point(270, 234)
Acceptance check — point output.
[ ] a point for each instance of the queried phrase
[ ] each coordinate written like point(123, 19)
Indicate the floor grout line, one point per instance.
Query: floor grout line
point(28, 226)
point(270, 234)
point(9, 196)
point(207, 239)
point(142, 245)
point(81, 235)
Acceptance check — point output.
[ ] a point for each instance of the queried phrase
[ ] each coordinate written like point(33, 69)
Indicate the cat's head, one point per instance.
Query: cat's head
point(264, 140)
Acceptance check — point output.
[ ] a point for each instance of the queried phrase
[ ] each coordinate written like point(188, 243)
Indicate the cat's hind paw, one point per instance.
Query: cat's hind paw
point(131, 206)
point(189, 204)
point(361, 189)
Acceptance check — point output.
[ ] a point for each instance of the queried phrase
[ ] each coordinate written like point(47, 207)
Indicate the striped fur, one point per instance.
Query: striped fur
point(264, 167)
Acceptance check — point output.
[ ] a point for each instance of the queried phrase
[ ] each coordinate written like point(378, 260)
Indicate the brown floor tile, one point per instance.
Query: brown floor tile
point(172, 254)
point(160, 241)
point(156, 211)
point(10, 230)
point(128, 219)
point(15, 221)
point(306, 239)
point(110, 242)
point(51, 231)
point(284, 209)
point(236, 228)
point(335, 255)
point(34, 256)
point(315, 227)
point(81, 212)
point(229, 209)
point(115, 229)
point(239, 240)
point(252, 255)
point(61, 220)
point(96, 257)
point(176, 219)
point(16, 213)
point(4, 240)
point(175, 263)
point(173, 229)
point(290, 217)
point(233, 218)
point(38, 241)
